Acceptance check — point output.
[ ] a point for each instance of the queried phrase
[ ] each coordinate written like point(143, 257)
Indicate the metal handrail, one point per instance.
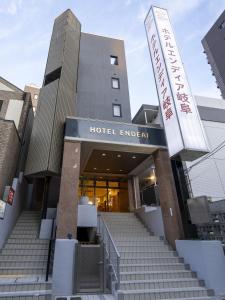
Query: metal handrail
point(111, 249)
point(50, 248)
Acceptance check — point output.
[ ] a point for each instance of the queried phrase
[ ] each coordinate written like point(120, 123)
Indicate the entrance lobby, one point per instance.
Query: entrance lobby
point(109, 195)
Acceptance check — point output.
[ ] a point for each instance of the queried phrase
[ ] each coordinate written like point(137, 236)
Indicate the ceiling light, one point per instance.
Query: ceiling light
point(121, 170)
point(133, 156)
point(119, 155)
point(107, 169)
point(103, 154)
point(95, 168)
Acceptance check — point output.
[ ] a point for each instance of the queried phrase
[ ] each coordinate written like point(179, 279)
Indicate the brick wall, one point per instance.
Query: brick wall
point(9, 152)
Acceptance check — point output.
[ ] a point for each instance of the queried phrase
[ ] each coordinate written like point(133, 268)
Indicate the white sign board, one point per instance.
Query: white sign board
point(2, 209)
point(183, 127)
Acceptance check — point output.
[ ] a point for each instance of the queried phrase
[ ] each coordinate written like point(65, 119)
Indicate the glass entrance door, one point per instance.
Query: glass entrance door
point(107, 195)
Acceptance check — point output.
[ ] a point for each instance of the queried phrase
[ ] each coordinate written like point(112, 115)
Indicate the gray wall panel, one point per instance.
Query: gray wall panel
point(39, 148)
point(214, 46)
point(57, 99)
point(95, 94)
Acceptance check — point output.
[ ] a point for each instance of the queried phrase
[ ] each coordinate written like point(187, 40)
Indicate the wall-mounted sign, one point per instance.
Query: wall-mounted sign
point(2, 209)
point(116, 133)
point(184, 131)
point(8, 195)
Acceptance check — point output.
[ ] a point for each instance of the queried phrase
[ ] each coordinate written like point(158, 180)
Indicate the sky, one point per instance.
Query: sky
point(26, 26)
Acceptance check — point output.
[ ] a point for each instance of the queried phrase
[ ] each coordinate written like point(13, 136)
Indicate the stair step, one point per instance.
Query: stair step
point(137, 238)
point(160, 284)
point(22, 270)
point(28, 222)
point(151, 260)
point(144, 248)
point(153, 267)
point(28, 241)
point(24, 234)
point(23, 257)
point(27, 286)
point(39, 295)
point(168, 293)
point(145, 243)
point(31, 251)
point(139, 254)
point(156, 275)
point(17, 246)
point(25, 264)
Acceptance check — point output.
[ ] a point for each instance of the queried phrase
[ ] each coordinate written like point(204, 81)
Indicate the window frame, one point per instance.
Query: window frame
point(120, 109)
point(1, 104)
point(222, 25)
point(118, 80)
point(116, 60)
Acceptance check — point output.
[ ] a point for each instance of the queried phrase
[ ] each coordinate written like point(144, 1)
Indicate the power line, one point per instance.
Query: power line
point(215, 150)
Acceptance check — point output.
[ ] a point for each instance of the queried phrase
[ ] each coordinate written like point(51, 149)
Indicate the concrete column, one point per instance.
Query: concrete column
point(63, 282)
point(137, 198)
point(68, 198)
point(168, 198)
point(131, 195)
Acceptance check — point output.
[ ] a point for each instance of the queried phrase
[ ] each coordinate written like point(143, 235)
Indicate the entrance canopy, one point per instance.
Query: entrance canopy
point(113, 147)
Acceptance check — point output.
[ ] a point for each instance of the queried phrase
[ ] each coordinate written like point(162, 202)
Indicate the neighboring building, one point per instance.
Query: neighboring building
point(213, 225)
point(205, 175)
point(16, 119)
point(34, 90)
point(214, 46)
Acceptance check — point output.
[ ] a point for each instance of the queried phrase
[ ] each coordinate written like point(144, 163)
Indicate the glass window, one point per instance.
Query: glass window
point(222, 26)
point(113, 60)
point(115, 83)
point(1, 102)
point(117, 110)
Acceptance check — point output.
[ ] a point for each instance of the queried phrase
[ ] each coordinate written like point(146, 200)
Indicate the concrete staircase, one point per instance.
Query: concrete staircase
point(23, 261)
point(149, 269)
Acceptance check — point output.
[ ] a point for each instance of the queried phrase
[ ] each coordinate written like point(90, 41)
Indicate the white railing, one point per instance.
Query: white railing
point(110, 248)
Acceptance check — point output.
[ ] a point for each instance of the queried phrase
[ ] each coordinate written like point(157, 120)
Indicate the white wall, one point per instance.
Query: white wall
point(207, 259)
point(208, 177)
point(12, 212)
point(14, 111)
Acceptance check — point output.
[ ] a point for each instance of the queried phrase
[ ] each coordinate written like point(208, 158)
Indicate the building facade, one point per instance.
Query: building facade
point(205, 175)
point(16, 120)
point(83, 121)
point(90, 168)
point(34, 91)
point(214, 47)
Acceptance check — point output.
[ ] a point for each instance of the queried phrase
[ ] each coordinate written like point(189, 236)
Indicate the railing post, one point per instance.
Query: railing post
point(50, 250)
point(118, 271)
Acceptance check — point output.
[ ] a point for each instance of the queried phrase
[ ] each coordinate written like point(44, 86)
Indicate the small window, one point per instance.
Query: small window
point(35, 96)
point(113, 60)
point(115, 83)
point(1, 102)
point(117, 110)
point(222, 26)
point(54, 75)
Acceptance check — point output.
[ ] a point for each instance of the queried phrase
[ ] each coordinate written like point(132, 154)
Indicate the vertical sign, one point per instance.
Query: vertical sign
point(184, 131)
point(10, 196)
